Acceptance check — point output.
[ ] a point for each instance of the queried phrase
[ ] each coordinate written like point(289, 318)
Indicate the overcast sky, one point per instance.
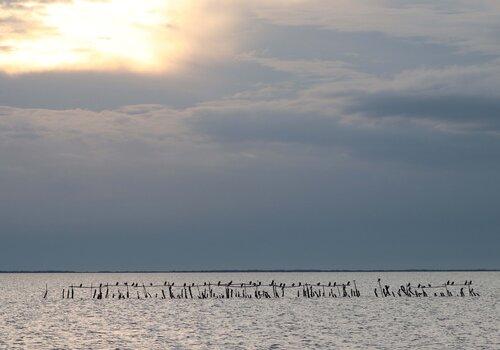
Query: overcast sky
point(249, 134)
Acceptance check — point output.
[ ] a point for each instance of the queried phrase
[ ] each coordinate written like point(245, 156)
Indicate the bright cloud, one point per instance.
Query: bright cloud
point(141, 36)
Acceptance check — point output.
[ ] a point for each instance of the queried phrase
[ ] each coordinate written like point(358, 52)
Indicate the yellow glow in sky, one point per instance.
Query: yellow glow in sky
point(136, 35)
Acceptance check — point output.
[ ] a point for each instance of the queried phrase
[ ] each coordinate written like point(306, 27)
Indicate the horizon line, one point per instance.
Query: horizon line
point(253, 270)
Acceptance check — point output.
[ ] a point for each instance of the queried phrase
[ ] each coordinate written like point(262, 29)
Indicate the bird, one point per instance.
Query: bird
point(116, 283)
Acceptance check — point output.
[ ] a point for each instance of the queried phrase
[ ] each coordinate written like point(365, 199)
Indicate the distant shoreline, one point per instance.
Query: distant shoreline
point(253, 271)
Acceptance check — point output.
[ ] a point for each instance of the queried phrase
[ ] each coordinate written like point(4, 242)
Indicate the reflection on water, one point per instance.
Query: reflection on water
point(29, 321)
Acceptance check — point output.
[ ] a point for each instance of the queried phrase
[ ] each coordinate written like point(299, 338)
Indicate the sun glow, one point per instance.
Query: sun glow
point(143, 36)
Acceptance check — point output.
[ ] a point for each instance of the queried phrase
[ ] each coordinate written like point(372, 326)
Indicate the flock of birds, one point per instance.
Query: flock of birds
point(209, 290)
point(258, 290)
point(421, 290)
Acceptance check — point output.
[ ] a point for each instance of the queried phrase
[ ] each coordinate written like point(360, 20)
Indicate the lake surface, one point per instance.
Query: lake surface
point(27, 321)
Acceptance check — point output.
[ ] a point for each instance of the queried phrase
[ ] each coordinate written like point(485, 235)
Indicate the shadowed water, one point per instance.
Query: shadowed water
point(27, 321)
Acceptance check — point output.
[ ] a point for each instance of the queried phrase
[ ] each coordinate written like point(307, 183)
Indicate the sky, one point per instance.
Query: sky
point(264, 134)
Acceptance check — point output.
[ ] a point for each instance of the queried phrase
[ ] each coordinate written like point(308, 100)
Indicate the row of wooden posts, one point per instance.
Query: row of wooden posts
point(209, 290)
point(257, 290)
point(448, 289)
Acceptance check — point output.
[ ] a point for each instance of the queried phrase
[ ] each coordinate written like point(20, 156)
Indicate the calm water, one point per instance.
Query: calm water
point(29, 322)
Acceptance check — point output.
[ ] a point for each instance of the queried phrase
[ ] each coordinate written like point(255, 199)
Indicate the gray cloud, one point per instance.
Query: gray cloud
point(111, 90)
point(454, 22)
point(473, 109)
point(163, 181)
point(402, 142)
point(368, 51)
